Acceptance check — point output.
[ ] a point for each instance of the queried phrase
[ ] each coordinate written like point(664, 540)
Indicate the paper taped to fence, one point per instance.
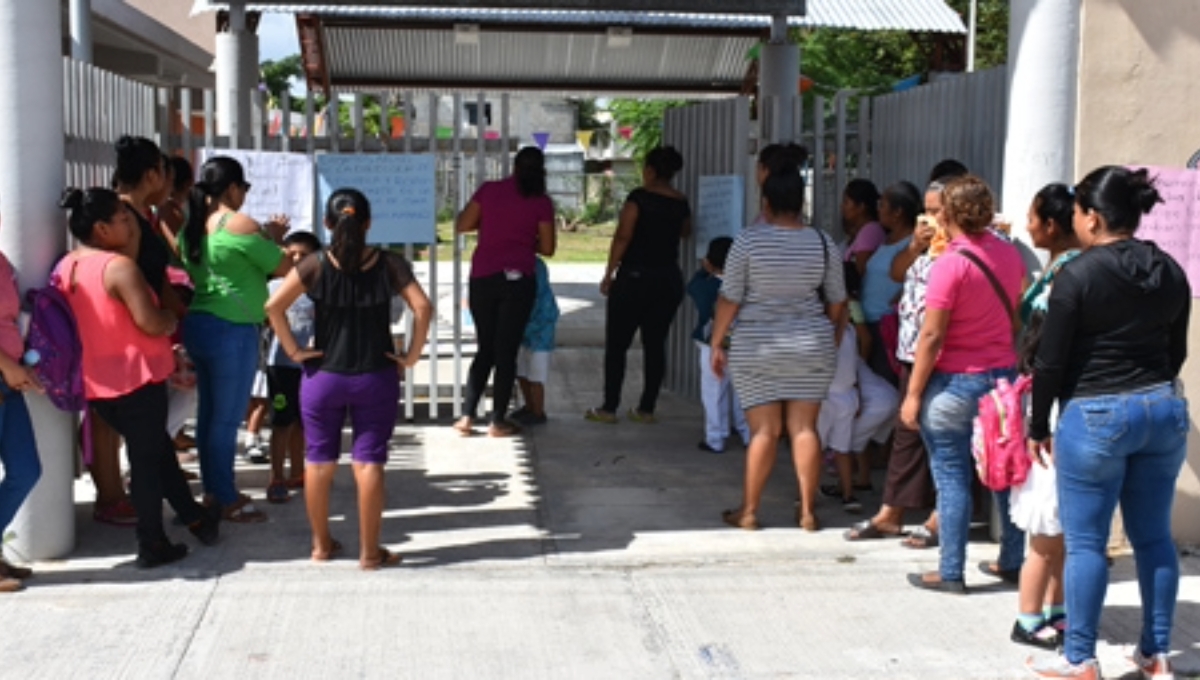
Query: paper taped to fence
point(1175, 224)
point(282, 184)
point(720, 209)
point(400, 188)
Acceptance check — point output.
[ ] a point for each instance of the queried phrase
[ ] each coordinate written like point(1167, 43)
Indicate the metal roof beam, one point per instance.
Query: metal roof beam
point(788, 7)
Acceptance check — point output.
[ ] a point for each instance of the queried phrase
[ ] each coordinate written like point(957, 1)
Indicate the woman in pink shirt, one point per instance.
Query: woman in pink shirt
point(126, 362)
point(965, 345)
point(515, 222)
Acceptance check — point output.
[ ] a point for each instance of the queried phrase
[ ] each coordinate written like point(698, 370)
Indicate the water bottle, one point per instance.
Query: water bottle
point(31, 357)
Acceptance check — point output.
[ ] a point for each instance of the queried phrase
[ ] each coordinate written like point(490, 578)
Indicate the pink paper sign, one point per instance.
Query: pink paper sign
point(1174, 224)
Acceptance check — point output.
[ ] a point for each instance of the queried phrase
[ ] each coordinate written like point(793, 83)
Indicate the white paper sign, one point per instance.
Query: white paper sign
point(400, 188)
point(720, 209)
point(281, 184)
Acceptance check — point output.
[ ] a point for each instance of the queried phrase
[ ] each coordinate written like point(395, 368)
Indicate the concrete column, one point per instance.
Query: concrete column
point(1040, 146)
point(778, 81)
point(81, 30)
point(237, 76)
point(32, 235)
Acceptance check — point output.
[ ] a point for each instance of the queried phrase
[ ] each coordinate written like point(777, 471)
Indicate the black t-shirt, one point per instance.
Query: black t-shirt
point(1117, 321)
point(153, 254)
point(656, 234)
point(354, 311)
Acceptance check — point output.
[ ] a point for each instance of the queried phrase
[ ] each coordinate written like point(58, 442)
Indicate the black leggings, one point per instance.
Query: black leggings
point(141, 418)
point(500, 308)
point(644, 301)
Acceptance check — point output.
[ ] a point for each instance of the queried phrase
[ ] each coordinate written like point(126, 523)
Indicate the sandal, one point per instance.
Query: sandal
point(464, 426)
point(277, 492)
point(921, 539)
point(504, 429)
point(866, 530)
point(242, 511)
point(932, 580)
point(121, 513)
point(386, 558)
point(641, 417)
point(740, 520)
point(295, 482)
point(600, 416)
point(807, 522)
point(335, 550)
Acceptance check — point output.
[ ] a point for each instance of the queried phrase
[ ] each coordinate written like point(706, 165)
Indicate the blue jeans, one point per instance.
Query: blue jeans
point(226, 356)
point(1123, 447)
point(18, 453)
point(948, 407)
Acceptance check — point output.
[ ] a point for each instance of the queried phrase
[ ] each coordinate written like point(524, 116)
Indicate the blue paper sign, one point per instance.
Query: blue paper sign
point(400, 188)
point(720, 209)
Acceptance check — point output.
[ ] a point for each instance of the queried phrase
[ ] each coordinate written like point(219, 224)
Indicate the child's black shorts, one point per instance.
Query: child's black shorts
point(283, 383)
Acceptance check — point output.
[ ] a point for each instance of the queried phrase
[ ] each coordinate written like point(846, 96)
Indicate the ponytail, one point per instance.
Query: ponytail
point(194, 230)
point(347, 214)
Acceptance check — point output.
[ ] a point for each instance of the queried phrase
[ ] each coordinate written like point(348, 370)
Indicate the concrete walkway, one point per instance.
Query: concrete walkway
point(578, 551)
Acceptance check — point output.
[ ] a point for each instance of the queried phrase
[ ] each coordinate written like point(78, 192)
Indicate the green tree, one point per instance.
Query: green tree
point(645, 116)
point(587, 117)
point(276, 76)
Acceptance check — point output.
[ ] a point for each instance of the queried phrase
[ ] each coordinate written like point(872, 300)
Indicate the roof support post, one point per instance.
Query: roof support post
point(32, 237)
point(1040, 144)
point(81, 30)
point(237, 75)
point(779, 82)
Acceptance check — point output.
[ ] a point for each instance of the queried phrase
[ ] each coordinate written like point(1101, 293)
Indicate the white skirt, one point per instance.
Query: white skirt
point(1033, 506)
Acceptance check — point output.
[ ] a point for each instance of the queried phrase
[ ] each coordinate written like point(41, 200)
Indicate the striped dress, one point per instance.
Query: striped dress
point(782, 345)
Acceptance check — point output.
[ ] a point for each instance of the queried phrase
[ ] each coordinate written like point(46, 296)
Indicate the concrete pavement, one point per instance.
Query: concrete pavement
point(578, 551)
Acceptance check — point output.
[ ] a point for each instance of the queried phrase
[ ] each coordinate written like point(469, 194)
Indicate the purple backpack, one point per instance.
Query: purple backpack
point(54, 336)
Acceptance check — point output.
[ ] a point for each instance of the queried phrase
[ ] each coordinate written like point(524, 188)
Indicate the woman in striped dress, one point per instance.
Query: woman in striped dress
point(783, 283)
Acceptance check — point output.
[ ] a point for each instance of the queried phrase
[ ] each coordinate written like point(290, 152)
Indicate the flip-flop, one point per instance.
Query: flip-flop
point(597, 416)
point(921, 539)
point(335, 550)
point(739, 520)
point(386, 558)
point(867, 531)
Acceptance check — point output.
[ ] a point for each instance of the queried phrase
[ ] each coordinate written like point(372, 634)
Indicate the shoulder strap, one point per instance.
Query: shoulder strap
point(996, 286)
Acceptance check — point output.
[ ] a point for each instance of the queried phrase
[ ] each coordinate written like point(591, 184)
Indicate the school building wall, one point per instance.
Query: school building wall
point(1139, 90)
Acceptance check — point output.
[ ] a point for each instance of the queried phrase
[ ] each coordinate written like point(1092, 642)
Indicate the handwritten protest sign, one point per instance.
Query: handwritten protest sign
point(400, 188)
point(282, 184)
point(1175, 223)
point(720, 208)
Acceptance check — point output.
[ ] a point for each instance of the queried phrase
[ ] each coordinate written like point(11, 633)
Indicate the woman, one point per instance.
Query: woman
point(1034, 504)
point(643, 283)
point(1112, 345)
point(18, 449)
point(172, 210)
point(965, 345)
point(352, 368)
point(784, 285)
point(864, 233)
point(898, 209)
point(229, 258)
point(773, 155)
point(126, 361)
point(515, 221)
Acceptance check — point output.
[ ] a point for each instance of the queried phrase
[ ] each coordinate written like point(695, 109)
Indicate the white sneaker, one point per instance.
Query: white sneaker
point(255, 453)
point(1154, 667)
point(1057, 667)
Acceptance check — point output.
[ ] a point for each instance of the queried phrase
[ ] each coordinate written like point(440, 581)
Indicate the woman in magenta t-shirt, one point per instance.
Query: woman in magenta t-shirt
point(515, 222)
point(965, 346)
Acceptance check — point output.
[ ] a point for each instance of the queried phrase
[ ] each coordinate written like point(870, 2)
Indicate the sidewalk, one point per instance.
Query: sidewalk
point(579, 551)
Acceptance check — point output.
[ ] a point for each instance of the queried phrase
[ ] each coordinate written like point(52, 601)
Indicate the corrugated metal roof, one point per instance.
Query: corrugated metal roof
point(905, 15)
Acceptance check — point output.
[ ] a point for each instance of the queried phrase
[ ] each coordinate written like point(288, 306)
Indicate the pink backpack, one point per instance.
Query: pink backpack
point(998, 438)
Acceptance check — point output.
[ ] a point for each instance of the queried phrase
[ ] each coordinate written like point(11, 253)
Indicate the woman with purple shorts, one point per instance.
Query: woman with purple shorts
point(351, 367)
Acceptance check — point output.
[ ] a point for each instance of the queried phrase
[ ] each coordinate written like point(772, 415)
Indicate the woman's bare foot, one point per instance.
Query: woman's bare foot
point(326, 553)
point(464, 426)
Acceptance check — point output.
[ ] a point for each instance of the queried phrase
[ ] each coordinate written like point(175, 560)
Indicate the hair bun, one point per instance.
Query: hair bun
point(72, 199)
point(1145, 195)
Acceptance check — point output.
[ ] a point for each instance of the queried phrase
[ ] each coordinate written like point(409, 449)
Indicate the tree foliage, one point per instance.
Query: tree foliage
point(645, 116)
point(277, 77)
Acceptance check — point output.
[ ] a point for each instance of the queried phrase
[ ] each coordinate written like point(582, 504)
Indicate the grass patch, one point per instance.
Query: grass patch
point(588, 244)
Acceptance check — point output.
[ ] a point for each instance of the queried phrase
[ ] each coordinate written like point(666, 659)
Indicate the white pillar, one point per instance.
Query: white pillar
point(81, 30)
point(32, 235)
point(1040, 146)
point(237, 76)
point(779, 82)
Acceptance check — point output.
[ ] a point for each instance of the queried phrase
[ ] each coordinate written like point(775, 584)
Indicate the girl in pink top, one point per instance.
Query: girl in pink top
point(965, 346)
point(126, 361)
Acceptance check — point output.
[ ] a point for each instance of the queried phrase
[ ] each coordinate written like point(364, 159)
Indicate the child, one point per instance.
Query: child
point(715, 392)
point(835, 423)
point(533, 363)
point(283, 381)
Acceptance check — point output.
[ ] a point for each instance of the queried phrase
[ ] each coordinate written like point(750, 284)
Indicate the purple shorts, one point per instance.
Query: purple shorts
point(372, 401)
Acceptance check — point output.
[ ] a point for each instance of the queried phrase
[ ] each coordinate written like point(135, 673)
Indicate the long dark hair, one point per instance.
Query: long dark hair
point(216, 176)
point(529, 167)
point(1056, 202)
point(863, 192)
point(136, 156)
point(346, 215)
point(905, 197)
point(87, 208)
point(1120, 195)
